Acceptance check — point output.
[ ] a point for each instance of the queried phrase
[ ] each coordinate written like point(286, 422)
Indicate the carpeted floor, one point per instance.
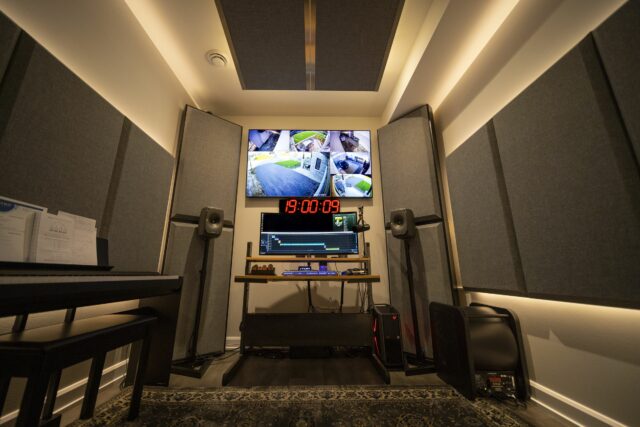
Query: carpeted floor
point(305, 406)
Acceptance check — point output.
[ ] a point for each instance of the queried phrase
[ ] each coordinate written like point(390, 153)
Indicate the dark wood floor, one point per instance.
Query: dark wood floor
point(271, 369)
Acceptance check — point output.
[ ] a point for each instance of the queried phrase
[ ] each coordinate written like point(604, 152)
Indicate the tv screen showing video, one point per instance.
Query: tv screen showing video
point(309, 163)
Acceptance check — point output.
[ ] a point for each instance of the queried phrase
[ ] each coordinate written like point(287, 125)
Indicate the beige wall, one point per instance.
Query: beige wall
point(291, 297)
point(584, 360)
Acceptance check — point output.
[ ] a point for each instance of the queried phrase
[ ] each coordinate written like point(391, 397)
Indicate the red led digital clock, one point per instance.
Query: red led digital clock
point(309, 206)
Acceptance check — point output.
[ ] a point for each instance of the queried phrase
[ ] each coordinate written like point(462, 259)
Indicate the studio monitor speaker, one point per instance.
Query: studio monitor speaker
point(210, 224)
point(402, 224)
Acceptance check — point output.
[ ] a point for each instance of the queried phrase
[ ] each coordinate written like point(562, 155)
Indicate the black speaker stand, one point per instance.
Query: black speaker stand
point(195, 366)
point(416, 364)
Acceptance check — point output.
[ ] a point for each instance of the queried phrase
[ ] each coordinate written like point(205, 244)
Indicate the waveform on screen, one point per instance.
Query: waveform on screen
point(308, 243)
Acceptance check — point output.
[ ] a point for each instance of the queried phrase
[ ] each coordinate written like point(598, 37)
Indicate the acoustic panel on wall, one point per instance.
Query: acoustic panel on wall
point(9, 33)
point(573, 184)
point(60, 140)
point(487, 248)
point(430, 277)
point(407, 168)
point(208, 165)
point(185, 249)
point(139, 211)
point(183, 257)
point(216, 298)
point(618, 42)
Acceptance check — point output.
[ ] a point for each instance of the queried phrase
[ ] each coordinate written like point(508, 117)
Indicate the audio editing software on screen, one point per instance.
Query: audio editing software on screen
point(326, 235)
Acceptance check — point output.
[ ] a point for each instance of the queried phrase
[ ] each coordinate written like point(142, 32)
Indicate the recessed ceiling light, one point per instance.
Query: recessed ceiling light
point(215, 58)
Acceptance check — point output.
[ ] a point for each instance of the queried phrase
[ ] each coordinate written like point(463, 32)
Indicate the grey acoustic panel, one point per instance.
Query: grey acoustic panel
point(140, 205)
point(350, 55)
point(184, 257)
point(208, 165)
point(267, 42)
point(572, 183)
point(9, 33)
point(487, 249)
point(213, 332)
point(60, 141)
point(430, 276)
point(407, 168)
point(618, 41)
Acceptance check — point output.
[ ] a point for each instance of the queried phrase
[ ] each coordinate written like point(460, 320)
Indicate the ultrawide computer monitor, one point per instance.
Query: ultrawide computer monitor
point(308, 234)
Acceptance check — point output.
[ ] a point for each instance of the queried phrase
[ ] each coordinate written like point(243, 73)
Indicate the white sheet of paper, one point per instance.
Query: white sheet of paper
point(16, 224)
point(52, 239)
point(84, 250)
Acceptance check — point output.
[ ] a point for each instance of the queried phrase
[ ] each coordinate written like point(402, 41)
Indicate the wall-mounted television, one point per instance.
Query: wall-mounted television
point(309, 163)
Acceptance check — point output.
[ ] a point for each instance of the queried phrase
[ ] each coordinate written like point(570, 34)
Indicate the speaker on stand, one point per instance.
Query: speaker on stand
point(403, 227)
point(210, 226)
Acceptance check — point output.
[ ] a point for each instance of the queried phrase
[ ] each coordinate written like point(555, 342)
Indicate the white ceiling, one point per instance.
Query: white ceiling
point(183, 35)
point(436, 43)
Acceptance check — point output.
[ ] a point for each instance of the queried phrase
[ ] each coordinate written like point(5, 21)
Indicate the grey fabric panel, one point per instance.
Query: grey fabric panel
point(213, 330)
point(572, 183)
point(184, 257)
point(60, 142)
point(486, 246)
point(267, 38)
point(208, 165)
point(430, 276)
point(9, 33)
point(140, 206)
point(349, 55)
point(618, 41)
point(407, 167)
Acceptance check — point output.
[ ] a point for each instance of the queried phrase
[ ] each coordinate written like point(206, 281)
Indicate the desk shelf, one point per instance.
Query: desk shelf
point(352, 278)
point(304, 259)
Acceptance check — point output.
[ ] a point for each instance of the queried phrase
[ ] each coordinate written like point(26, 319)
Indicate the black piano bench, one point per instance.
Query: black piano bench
point(41, 353)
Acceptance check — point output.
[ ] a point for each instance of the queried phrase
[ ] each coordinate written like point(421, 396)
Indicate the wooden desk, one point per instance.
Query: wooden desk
point(304, 329)
point(22, 294)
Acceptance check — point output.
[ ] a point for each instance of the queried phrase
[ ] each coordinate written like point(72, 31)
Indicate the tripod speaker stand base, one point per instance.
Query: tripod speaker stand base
point(194, 368)
point(414, 365)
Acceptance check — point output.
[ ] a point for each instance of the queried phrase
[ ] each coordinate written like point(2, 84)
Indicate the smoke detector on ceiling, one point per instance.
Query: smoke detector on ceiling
point(216, 59)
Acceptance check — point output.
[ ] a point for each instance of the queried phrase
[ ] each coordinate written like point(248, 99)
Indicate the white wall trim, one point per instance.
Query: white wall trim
point(74, 393)
point(569, 409)
point(232, 343)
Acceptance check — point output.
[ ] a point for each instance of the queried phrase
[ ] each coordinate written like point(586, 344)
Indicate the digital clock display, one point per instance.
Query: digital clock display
point(309, 206)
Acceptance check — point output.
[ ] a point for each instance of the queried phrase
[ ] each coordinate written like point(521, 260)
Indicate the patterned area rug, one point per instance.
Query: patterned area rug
point(305, 407)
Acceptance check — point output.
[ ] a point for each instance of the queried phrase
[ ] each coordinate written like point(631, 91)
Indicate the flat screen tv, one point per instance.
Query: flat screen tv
point(309, 163)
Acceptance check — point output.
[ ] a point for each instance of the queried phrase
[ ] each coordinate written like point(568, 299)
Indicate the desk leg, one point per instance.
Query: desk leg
point(163, 335)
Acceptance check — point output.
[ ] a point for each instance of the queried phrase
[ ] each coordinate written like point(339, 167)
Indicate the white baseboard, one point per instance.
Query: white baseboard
point(569, 409)
point(73, 394)
point(232, 343)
